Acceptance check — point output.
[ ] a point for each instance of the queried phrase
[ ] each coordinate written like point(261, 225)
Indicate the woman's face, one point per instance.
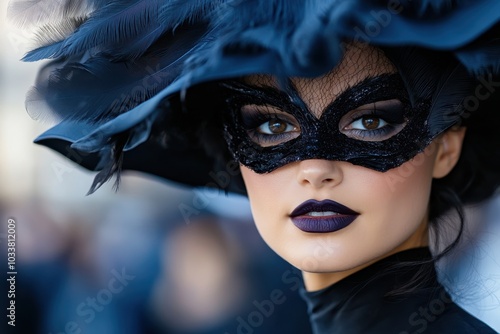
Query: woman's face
point(387, 210)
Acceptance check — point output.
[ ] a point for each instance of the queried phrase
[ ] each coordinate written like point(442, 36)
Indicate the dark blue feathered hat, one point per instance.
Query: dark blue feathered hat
point(121, 69)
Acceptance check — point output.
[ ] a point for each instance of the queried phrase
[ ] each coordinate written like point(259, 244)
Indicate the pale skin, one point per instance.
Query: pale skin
point(393, 215)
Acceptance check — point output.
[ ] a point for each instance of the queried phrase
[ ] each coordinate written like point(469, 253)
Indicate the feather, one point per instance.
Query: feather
point(418, 69)
point(448, 101)
point(34, 13)
point(98, 90)
point(44, 52)
point(178, 12)
point(123, 29)
point(35, 103)
point(422, 73)
point(135, 48)
point(115, 23)
point(239, 16)
point(52, 36)
point(171, 15)
point(113, 165)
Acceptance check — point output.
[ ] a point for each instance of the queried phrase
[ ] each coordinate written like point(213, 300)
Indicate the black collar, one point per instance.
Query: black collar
point(362, 303)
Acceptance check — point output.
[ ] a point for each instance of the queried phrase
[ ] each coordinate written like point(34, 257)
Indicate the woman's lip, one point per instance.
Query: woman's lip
point(322, 216)
point(321, 206)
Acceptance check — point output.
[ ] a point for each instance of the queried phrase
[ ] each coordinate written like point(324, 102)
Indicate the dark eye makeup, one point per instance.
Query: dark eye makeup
point(375, 121)
point(268, 126)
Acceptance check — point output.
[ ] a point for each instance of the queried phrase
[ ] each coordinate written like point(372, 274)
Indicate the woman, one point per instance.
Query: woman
point(355, 126)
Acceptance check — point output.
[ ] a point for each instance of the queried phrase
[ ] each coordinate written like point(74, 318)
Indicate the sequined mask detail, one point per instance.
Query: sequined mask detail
point(371, 124)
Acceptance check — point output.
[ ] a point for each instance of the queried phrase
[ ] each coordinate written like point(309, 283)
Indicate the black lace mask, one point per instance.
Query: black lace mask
point(371, 124)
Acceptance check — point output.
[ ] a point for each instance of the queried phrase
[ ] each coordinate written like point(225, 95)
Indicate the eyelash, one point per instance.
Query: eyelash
point(252, 121)
point(380, 130)
point(373, 134)
point(394, 121)
point(377, 134)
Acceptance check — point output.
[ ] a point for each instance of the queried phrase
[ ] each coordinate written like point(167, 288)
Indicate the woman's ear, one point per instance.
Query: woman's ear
point(449, 149)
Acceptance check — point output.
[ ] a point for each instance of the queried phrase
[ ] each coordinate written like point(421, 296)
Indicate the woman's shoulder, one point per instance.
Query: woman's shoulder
point(453, 320)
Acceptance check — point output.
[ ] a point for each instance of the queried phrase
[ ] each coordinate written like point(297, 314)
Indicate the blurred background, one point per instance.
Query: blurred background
point(133, 262)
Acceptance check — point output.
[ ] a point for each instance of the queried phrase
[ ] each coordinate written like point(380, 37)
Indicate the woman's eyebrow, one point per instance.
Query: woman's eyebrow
point(363, 92)
point(286, 95)
point(362, 87)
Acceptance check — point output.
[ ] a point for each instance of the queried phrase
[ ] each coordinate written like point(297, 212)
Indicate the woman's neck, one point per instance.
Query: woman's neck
point(317, 281)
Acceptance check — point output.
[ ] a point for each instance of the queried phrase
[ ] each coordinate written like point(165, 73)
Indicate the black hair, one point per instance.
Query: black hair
point(476, 175)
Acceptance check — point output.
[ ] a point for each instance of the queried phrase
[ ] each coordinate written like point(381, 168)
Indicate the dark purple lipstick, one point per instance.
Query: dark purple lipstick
point(322, 216)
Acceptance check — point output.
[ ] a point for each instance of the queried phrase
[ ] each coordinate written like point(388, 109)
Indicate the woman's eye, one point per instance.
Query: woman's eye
point(375, 121)
point(276, 126)
point(367, 123)
point(267, 125)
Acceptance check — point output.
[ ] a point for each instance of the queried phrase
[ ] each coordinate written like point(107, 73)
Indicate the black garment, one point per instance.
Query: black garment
point(357, 304)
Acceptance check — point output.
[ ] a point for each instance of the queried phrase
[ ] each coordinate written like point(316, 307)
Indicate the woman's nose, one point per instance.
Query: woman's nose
point(319, 173)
